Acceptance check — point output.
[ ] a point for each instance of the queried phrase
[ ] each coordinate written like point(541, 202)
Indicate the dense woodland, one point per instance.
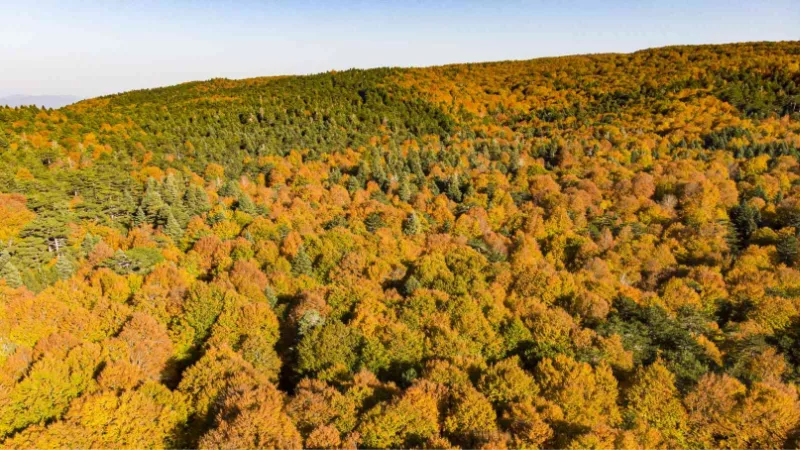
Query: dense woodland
point(592, 251)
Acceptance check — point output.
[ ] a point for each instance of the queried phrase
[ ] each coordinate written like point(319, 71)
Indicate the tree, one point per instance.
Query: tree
point(14, 215)
point(245, 204)
point(454, 188)
point(148, 345)
point(470, 416)
point(139, 217)
point(302, 264)
point(329, 350)
point(252, 417)
point(171, 227)
point(373, 221)
point(152, 414)
point(64, 267)
point(788, 249)
point(196, 200)
point(152, 203)
point(587, 396)
point(317, 405)
point(746, 219)
point(404, 191)
point(412, 225)
point(652, 402)
point(10, 274)
point(407, 421)
point(218, 372)
point(506, 382)
point(171, 191)
point(49, 387)
point(527, 426)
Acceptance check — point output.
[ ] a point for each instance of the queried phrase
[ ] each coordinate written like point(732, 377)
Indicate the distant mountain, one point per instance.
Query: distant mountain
point(45, 101)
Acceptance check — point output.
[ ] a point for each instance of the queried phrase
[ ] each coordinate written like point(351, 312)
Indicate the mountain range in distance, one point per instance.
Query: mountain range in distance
point(44, 101)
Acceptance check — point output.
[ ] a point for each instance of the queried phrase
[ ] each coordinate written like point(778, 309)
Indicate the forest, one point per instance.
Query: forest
point(597, 251)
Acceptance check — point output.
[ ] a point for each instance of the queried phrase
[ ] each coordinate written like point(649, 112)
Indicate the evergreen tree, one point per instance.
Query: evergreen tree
point(10, 273)
point(151, 205)
point(5, 258)
point(353, 185)
point(64, 268)
point(788, 249)
point(412, 224)
point(732, 237)
point(171, 192)
point(196, 200)
point(246, 205)
point(269, 293)
point(363, 173)
point(172, 228)
point(454, 189)
point(745, 218)
point(404, 192)
point(411, 285)
point(373, 222)
point(229, 189)
point(140, 217)
point(302, 264)
point(88, 244)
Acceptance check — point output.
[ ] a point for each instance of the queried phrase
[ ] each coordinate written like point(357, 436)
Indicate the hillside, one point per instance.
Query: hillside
point(585, 251)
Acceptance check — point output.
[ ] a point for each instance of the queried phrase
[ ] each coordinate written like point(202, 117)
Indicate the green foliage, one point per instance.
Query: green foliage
point(64, 268)
point(745, 219)
point(788, 249)
point(135, 260)
point(373, 222)
point(651, 334)
point(412, 224)
point(302, 264)
point(329, 351)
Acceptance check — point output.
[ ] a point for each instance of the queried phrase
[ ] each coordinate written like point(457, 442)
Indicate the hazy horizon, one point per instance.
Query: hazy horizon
point(79, 49)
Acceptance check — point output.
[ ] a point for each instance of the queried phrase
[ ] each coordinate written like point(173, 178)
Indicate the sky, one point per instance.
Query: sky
point(92, 48)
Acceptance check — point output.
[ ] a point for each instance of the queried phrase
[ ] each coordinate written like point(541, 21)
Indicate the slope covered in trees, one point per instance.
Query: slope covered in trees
point(589, 251)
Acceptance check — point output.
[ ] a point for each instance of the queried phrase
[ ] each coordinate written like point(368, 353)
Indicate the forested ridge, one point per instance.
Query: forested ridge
point(595, 251)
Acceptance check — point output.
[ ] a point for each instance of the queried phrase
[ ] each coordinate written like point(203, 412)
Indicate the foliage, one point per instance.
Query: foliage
point(595, 251)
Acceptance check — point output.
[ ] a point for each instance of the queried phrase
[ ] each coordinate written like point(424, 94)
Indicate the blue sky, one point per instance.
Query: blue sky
point(90, 48)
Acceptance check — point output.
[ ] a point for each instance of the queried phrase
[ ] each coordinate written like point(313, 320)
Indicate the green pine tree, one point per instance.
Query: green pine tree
point(10, 273)
point(411, 285)
point(5, 258)
point(788, 249)
point(745, 218)
point(353, 185)
point(454, 189)
point(197, 200)
point(373, 222)
point(302, 264)
point(246, 205)
point(172, 228)
point(151, 205)
point(412, 224)
point(88, 244)
point(64, 268)
point(171, 191)
point(139, 217)
point(269, 293)
point(404, 192)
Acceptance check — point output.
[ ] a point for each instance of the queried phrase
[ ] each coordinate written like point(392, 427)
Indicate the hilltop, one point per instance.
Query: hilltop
point(42, 101)
point(583, 251)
